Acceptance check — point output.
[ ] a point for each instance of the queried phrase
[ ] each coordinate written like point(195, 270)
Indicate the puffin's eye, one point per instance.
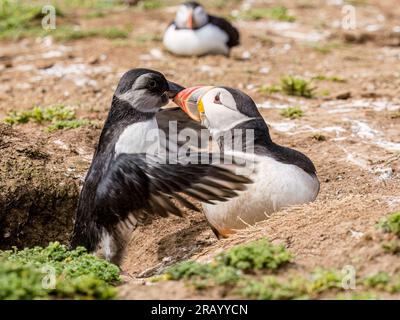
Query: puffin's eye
point(217, 99)
point(152, 84)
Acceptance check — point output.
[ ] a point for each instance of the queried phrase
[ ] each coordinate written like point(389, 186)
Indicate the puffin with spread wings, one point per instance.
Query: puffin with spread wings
point(127, 183)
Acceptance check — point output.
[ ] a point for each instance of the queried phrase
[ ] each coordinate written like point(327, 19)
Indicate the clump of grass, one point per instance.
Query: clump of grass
point(292, 86)
point(203, 275)
point(245, 271)
point(323, 280)
point(67, 124)
point(58, 117)
point(380, 279)
point(40, 115)
point(228, 268)
point(150, 4)
point(275, 13)
point(256, 255)
point(391, 224)
point(269, 89)
point(20, 19)
point(321, 77)
point(292, 112)
point(297, 87)
point(271, 288)
point(68, 33)
point(78, 275)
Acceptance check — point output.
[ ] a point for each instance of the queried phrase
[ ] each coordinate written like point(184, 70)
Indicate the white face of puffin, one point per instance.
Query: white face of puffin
point(189, 18)
point(220, 111)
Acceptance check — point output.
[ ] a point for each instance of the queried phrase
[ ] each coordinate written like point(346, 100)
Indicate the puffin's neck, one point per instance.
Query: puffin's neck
point(249, 136)
point(121, 115)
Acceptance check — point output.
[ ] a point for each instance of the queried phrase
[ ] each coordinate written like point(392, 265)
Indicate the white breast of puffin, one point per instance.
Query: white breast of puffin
point(208, 39)
point(139, 137)
point(276, 185)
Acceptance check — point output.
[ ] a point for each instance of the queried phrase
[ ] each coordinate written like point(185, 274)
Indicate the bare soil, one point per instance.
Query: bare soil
point(354, 142)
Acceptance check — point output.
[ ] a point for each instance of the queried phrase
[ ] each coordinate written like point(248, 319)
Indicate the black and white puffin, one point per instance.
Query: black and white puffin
point(127, 182)
point(196, 33)
point(282, 176)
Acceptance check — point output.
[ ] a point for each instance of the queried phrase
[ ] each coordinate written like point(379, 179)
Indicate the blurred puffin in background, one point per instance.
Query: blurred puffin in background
point(196, 33)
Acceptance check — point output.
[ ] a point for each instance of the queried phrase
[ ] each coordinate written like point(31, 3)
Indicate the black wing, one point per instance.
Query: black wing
point(140, 181)
point(225, 25)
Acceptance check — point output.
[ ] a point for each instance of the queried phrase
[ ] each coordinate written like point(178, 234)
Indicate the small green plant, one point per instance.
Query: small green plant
point(391, 224)
point(269, 89)
point(292, 112)
point(78, 274)
point(271, 288)
point(321, 77)
point(255, 255)
point(275, 13)
point(228, 268)
point(380, 279)
point(323, 280)
point(203, 275)
point(150, 4)
point(67, 124)
point(297, 87)
point(58, 117)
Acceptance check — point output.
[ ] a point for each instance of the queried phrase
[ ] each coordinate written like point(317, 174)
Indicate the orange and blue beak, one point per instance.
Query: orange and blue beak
point(190, 101)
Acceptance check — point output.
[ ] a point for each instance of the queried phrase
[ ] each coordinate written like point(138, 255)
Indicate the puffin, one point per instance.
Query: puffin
point(281, 176)
point(130, 181)
point(196, 33)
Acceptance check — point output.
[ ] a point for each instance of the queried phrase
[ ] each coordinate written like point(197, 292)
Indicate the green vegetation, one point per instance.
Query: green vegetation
point(254, 270)
point(269, 89)
point(297, 87)
point(55, 272)
point(291, 86)
point(391, 224)
point(151, 4)
point(18, 19)
point(229, 267)
point(292, 112)
point(321, 77)
point(256, 255)
point(275, 13)
point(57, 117)
point(67, 33)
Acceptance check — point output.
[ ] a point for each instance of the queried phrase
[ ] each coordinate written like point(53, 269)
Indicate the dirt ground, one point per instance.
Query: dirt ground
point(351, 130)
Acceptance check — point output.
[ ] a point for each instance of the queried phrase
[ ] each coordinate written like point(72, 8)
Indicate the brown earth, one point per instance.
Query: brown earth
point(354, 143)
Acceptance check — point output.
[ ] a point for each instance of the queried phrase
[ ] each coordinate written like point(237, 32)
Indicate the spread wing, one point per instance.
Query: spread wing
point(225, 25)
point(140, 181)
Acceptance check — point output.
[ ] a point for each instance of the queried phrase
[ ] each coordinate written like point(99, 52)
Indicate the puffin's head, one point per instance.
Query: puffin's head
point(217, 108)
point(191, 15)
point(146, 90)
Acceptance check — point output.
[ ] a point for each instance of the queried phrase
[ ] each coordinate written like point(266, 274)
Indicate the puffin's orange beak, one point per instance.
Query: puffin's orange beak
point(189, 22)
point(189, 100)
